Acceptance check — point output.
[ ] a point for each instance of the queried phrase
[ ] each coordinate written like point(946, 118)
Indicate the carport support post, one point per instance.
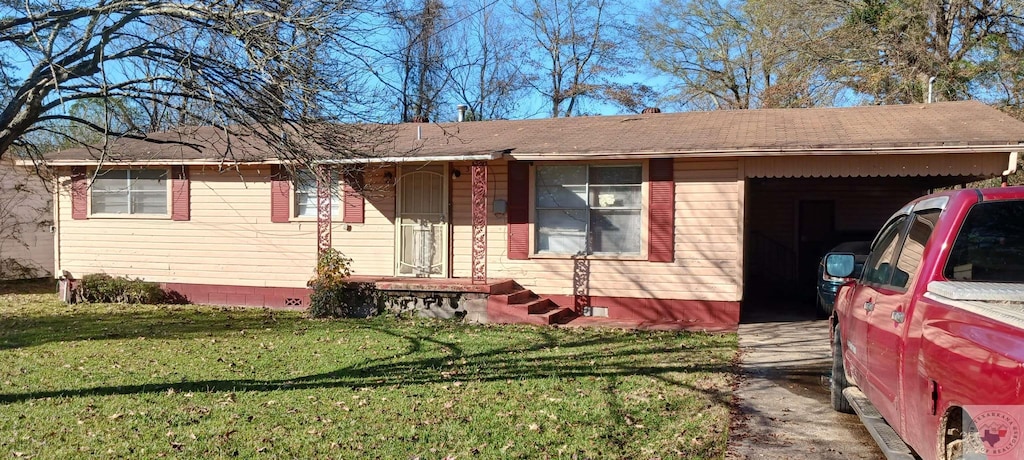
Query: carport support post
point(479, 173)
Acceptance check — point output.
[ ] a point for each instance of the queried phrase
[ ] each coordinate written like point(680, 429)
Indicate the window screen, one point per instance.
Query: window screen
point(126, 191)
point(581, 204)
point(306, 194)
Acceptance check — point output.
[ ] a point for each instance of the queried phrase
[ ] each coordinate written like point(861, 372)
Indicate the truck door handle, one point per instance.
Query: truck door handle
point(869, 306)
point(898, 316)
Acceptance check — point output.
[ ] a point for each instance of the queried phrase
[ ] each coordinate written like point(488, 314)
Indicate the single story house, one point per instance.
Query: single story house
point(665, 217)
point(26, 243)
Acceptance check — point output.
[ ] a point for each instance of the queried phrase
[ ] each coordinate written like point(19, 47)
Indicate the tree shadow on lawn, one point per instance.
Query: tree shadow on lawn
point(601, 355)
point(126, 322)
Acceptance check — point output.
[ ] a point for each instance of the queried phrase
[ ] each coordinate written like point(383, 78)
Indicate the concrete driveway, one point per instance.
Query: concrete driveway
point(783, 398)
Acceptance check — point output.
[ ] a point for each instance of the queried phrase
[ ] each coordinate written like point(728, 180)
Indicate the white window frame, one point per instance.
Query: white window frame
point(641, 208)
point(130, 214)
point(336, 199)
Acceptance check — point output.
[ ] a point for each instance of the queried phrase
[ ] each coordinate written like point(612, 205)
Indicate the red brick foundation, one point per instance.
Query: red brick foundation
point(717, 315)
point(243, 296)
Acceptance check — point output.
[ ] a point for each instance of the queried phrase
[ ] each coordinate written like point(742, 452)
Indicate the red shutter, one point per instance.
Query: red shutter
point(518, 210)
point(181, 200)
point(353, 202)
point(280, 194)
point(79, 193)
point(661, 209)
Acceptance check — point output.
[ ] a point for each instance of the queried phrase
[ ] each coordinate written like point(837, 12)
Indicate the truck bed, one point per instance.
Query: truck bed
point(1002, 302)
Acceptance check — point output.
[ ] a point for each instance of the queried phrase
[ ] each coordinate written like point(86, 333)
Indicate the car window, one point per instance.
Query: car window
point(990, 244)
point(913, 247)
point(878, 268)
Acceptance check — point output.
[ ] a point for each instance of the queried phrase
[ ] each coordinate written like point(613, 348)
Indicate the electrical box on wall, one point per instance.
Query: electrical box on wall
point(500, 206)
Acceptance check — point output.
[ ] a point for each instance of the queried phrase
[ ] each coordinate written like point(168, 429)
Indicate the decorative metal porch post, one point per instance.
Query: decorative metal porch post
point(323, 210)
point(581, 277)
point(479, 172)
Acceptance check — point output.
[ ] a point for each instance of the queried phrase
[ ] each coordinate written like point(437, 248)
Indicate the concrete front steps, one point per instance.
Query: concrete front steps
point(520, 306)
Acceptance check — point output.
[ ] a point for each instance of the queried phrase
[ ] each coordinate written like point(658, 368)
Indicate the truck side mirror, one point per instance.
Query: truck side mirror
point(839, 264)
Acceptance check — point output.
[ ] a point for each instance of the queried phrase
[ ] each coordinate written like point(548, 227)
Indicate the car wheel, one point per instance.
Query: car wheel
point(824, 311)
point(838, 381)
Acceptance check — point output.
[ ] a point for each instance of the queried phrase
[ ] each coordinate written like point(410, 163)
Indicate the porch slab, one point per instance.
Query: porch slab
point(464, 285)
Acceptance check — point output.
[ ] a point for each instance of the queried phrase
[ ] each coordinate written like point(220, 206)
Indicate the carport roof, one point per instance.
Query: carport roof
point(944, 127)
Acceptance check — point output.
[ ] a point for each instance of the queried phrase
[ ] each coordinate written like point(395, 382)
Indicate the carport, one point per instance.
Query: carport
point(798, 207)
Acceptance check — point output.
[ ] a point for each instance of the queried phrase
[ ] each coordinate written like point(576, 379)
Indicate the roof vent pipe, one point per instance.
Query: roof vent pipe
point(930, 82)
point(462, 112)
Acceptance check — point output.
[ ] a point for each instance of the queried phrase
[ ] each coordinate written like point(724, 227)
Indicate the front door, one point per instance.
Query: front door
point(422, 223)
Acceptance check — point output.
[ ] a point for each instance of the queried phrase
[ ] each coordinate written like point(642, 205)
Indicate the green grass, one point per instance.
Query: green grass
point(187, 382)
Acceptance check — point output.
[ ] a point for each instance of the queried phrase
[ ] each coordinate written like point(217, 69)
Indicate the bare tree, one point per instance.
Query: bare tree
point(734, 55)
point(578, 47)
point(486, 69)
point(418, 74)
point(259, 68)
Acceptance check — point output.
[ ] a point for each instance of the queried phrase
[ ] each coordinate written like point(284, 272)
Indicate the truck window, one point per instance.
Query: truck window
point(913, 247)
point(990, 245)
point(878, 268)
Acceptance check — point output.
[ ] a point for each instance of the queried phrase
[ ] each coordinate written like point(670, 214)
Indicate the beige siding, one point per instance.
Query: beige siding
point(979, 164)
point(707, 236)
point(371, 245)
point(25, 219)
point(230, 239)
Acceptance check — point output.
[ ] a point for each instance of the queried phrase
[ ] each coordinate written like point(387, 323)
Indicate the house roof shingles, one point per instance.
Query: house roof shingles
point(944, 125)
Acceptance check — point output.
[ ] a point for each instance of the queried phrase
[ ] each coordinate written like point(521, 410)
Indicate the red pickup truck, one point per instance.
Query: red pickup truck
point(928, 344)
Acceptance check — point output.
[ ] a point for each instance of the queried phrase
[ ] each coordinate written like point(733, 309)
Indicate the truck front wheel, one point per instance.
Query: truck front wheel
point(838, 381)
point(963, 442)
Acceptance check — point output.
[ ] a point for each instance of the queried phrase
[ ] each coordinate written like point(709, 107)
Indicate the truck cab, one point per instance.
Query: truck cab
point(909, 343)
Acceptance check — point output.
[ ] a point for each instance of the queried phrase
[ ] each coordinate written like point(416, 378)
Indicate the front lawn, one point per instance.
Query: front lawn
point(189, 381)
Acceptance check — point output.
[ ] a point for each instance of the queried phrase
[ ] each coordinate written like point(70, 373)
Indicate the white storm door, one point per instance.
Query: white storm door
point(422, 224)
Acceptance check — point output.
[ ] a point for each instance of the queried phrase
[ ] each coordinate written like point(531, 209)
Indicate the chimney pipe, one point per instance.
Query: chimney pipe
point(462, 112)
point(930, 82)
